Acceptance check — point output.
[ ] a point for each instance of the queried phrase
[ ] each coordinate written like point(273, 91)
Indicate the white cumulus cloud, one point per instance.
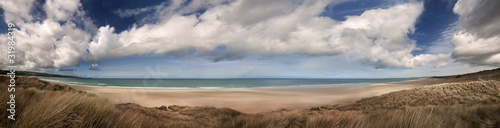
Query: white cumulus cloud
point(479, 41)
point(47, 43)
point(259, 27)
point(268, 28)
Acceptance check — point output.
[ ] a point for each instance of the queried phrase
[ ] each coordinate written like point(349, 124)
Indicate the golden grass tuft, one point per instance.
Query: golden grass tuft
point(482, 116)
point(57, 106)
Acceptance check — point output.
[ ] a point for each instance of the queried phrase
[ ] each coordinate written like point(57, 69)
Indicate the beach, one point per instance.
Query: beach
point(251, 100)
point(465, 100)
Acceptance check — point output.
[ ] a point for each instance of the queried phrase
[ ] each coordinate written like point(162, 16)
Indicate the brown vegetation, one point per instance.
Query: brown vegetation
point(43, 104)
point(468, 102)
point(493, 74)
point(446, 94)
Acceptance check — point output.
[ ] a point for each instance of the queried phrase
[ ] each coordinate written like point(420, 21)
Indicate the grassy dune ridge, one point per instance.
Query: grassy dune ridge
point(464, 101)
point(444, 94)
point(493, 74)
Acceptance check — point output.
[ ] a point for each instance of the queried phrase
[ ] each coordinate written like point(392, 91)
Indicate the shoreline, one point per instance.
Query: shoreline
point(240, 88)
point(250, 100)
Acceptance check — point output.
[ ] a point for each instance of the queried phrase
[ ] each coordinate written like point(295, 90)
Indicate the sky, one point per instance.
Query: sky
point(253, 38)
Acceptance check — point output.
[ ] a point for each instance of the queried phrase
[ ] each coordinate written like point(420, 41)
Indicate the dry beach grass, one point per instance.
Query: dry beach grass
point(466, 101)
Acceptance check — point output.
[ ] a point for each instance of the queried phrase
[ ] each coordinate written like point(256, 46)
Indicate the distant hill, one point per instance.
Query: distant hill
point(493, 74)
point(30, 73)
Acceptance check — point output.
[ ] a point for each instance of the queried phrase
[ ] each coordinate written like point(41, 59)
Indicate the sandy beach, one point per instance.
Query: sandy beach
point(251, 100)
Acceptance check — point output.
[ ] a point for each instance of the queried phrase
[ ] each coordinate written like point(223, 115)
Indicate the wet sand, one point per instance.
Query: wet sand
point(251, 100)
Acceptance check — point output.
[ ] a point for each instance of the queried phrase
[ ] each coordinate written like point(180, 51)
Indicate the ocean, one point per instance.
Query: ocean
point(219, 83)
